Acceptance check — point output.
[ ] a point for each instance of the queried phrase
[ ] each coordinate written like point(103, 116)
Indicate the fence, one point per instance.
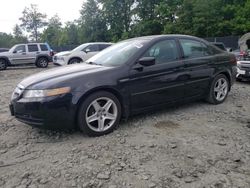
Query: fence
point(230, 41)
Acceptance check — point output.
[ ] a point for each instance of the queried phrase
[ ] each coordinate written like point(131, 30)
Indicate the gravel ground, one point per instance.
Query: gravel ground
point(193, 145)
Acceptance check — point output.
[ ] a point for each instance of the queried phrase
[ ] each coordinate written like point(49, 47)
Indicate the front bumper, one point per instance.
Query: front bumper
point(59, 62)
point(243, 70)
point(50, 113)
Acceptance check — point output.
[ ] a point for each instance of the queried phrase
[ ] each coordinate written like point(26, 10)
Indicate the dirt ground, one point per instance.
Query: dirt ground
point(188, 146)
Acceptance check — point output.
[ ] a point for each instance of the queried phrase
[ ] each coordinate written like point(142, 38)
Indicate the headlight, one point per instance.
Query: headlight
point(60, 58)
point(45, 93)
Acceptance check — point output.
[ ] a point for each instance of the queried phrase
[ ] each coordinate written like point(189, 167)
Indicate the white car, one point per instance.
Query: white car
point(80, 53)
point(243, 70)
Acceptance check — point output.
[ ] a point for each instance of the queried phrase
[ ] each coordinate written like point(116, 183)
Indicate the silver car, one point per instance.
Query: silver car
point(39, 54)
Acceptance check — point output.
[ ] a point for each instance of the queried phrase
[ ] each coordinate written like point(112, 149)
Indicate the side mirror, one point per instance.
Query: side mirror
point(87, 50)
point(14, 52)
point(147, 61)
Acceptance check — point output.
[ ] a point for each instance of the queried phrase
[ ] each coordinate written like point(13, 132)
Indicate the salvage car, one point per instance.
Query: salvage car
point(39, 54)
point(80, 53)
point(130, 77)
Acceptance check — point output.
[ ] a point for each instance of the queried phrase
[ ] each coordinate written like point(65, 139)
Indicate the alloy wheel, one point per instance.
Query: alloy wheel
point(101, 114)
point(221, 89)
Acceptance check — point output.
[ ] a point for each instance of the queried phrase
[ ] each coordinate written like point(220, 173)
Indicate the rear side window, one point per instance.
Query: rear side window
point(44, 47)
point(103, 46)
point(32, 48)
point(163, 52)
point(194, 49)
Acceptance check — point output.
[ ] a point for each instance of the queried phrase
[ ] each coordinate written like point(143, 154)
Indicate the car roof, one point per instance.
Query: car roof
point(32, 43)
point(98, 43)
point(155, 37)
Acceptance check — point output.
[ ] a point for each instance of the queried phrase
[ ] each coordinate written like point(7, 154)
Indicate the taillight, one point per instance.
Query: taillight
point(51, 53)
point(233, 60)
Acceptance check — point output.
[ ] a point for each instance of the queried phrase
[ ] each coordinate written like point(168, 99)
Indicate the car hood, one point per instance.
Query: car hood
point(62, 73)
point(4, 53)
point(63, 53)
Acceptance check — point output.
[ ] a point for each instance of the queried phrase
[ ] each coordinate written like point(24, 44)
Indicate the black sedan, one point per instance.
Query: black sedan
point(130, 77)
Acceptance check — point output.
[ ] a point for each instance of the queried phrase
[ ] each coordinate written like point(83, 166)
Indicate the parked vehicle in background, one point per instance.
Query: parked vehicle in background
point(219, 45)
point(243, 70)
point(39, 54)
point(4, 49)
point(130, 77)
point(80, 53)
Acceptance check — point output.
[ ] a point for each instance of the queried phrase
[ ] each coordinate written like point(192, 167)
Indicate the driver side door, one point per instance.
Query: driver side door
point(18, 55)
point(160, 83)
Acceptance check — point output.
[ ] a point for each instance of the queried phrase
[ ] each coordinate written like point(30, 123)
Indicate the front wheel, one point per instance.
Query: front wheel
point(3, 64)
point(219, 90)
point(99, 114)
point(74, 61)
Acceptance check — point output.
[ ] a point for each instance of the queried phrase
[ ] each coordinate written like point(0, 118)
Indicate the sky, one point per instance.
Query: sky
point(11, 11)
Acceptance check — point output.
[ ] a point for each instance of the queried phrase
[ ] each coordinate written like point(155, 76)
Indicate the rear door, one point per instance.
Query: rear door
point(198, 60)
point(32, 53)
point(160, 83)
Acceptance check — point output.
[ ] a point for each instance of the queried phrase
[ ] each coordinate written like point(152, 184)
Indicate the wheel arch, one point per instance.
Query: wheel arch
point(6, 59)
point(116, 93)
point(74, 57)
point(42, 56)
point(228, 76)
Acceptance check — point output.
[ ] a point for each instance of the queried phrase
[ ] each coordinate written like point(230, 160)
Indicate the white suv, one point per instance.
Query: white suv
point(80, 53)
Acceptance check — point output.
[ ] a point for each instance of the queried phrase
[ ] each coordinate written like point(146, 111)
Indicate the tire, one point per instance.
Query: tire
point(92, 117)
point(219, 90)
point(74, 61)
point(3, 64)
point(42, 62)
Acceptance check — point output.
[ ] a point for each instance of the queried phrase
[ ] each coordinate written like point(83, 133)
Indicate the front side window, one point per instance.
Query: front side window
point(163, 52)
point(32, 48)
point(103, 46)
point(20, 49)
point(92, 48)
point(193, 49)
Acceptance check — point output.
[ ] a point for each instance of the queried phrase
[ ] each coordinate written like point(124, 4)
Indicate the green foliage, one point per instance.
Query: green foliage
point(114, 20)
point(53, 32)
point(32, 20)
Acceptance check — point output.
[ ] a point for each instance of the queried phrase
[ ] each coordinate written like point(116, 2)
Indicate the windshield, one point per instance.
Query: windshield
point(79, 48)
point(118, 54)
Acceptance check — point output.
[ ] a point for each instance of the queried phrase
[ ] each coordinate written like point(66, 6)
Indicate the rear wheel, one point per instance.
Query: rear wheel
point(3, 64)
point(99, 114)
point(42, 62)
point(219, 90)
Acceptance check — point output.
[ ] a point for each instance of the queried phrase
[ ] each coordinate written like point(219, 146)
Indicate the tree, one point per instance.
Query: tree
point(18, 36)
point(93, 26)
point(32, 21)
point(53, 32)
point(118, 16)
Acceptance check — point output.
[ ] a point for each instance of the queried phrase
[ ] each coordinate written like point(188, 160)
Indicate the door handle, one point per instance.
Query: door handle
point(138, 68)
point(23, 53)
point(37, 52)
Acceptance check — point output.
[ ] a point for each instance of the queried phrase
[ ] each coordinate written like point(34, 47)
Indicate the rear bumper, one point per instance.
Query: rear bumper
point(50, 113)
